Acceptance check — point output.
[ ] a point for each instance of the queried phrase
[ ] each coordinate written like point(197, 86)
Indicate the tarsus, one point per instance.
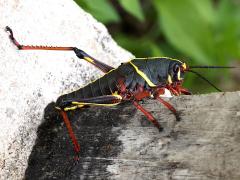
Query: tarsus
point(27, 47)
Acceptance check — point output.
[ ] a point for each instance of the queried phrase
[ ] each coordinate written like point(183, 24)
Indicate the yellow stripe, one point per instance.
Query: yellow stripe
point(98, 104)
point(179, 74)
point(89, 60)
point(169, 79)
point(94, 104)
point(172, 59)
point(70, 108)
point(184, 66)
point(81, 104)
point(150, 83)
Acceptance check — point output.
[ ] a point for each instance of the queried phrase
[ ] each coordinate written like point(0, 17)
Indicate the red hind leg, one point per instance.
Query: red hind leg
point(70, 131)
point(67, 104)
point(79, 53)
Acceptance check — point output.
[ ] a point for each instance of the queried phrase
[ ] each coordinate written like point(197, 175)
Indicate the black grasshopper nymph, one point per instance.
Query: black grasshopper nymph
point(132, 81)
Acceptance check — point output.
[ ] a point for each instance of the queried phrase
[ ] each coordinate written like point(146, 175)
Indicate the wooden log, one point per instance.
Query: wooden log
point(119, 143)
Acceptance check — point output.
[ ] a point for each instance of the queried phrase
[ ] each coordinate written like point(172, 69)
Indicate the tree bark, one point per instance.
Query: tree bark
point(119, 142)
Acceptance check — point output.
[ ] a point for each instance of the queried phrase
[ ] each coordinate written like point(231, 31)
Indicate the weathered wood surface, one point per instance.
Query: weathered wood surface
point(119, 143)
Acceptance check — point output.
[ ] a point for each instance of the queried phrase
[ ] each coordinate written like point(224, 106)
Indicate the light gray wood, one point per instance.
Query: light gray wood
point(204, 145)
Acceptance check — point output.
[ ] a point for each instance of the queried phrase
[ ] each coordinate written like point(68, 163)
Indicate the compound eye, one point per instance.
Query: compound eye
point(176, 68)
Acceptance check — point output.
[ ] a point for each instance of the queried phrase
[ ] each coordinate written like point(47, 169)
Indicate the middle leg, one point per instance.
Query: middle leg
point(148, 115)
point(139, 95)
point(161, 91)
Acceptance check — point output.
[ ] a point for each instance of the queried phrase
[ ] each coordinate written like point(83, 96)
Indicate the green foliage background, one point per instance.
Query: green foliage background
point(198, 32)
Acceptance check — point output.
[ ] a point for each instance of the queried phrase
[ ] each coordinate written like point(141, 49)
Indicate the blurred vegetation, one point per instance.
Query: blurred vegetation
point(198, 32)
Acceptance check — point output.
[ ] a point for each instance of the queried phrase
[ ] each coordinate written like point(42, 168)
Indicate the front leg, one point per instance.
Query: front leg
point(182, 90)
point(177, 89)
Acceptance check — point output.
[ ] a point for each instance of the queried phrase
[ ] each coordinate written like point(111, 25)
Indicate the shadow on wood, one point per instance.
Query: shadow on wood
point(119, 143)
point(97, 130)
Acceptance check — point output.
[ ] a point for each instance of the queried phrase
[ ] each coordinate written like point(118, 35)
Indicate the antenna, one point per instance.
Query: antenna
point(211, 67)
point(205, 79)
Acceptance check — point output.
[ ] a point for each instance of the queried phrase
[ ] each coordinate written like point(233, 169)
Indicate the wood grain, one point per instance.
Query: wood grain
point(119, 143)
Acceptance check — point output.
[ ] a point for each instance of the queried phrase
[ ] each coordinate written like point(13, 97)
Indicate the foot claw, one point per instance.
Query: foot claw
point(77, 153)
point(160, 129)
point(76, 157)
point(7, 28)
point(177, 115)
point(178, 118)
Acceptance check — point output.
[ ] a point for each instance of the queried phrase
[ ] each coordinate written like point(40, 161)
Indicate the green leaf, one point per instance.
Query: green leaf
point(133, 7)
point(227, 31)
point(139, 46)
point(102, 10)
point(187, 25)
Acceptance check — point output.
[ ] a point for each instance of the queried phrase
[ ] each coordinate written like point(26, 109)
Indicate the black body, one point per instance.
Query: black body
point(156, 69)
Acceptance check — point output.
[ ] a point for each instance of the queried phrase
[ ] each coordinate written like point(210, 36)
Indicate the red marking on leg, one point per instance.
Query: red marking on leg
point(166, 104)
point(141, 95)
point(161, 91)
point(158, 92)
point(169, 106)
point(122, 89)
point(177, 89)
point(122, 86)
point(70, 131)
point(182, 90)
point(147, 114)
point(173, 90)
